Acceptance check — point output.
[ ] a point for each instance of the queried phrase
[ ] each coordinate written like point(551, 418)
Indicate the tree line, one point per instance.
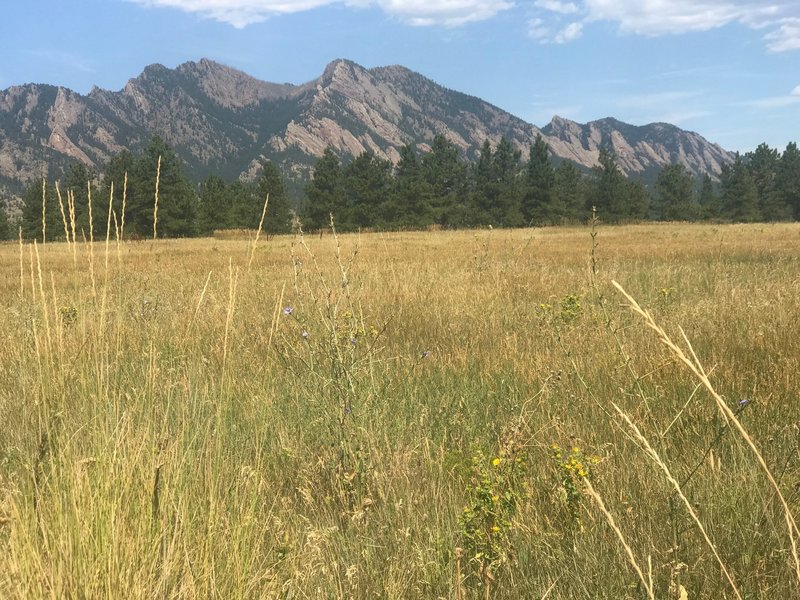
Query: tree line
point(500, 189)
point(184, 209)
point(434, 188)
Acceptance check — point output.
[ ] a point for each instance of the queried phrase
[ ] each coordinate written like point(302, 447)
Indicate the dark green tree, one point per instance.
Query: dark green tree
point(637, 201)
point(32, 213)
point(80, 181)
point(506, 163)
point(708, 202)
point(539, 203)
point(279, 214)
point(177, 201)
point(610, 188)
point(114, 171)
point(214, 206)
point(787, 179)
point(484, 188)
point(763, 165)
point(446, 176)
point(739, 194)
point(324, 193)
point(569, 194)
point(410, 203)
point(5, 225)
point(367, 185)
point(496, 189)
point(674, 193)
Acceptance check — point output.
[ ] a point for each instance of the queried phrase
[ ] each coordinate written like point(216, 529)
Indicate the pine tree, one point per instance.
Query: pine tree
point(763, 164)
point(674, 191)
point(114, 171)
point(539, 205)
point(446, 177)
point(637, 201)
point(32, 213)
point(214, 206)
point(80, 181)
point(506, 163)
point(484, 192)
point(739, 194)
point(279, 215)
point(324, 193)
point(787, 179)
point(366, 185)
point(707, 200)
point(610, 190)
point(5, 225)
point(410, 204)
point(177, 201)
point(569, 194)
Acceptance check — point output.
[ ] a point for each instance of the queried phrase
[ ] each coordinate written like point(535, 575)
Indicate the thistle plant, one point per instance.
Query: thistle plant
point(326, 342)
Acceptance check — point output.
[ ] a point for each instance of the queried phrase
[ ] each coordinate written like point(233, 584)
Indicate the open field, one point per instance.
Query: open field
point(404, 415)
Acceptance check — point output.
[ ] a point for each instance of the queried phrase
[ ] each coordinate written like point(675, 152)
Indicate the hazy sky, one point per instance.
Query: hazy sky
point(728, 69)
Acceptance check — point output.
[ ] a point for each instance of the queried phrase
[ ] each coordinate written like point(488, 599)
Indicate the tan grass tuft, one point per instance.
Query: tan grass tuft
point(650, 451)
point(648, 586)
point(697, 369)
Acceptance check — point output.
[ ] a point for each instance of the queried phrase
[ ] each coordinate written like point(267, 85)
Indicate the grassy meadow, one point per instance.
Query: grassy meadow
point(475, 414)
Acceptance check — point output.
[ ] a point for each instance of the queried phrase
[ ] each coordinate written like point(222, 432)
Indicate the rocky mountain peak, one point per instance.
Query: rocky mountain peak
point(222, 120)
point(231, 88)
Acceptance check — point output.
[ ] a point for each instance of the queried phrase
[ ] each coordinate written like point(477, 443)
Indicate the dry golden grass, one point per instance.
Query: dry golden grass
point(170, 432)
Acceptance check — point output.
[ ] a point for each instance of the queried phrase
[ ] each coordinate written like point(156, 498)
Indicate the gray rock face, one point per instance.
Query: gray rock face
point(222, 120)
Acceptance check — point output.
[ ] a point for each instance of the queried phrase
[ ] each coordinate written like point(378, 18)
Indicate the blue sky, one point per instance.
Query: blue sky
point(728, 69)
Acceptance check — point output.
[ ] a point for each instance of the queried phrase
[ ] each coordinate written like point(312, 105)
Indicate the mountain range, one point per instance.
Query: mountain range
point(222, 120)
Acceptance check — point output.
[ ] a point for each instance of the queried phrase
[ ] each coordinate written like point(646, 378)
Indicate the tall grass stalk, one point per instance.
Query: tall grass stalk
point(674, 482)
point(696, 368)
point(646, 583)
point(258, 233)
point(155, 200)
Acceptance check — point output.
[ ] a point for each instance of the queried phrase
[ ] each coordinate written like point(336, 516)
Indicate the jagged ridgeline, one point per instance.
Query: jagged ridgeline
point(379, 148)
point(222, 121)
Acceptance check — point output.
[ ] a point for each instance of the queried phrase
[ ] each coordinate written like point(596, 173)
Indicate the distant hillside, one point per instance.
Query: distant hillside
point(222, 120)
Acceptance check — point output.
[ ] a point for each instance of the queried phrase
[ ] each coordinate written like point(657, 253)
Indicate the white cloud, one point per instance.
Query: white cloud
point(571, 32)
point(564, 8)
point(778, 19)
point(660, 17)
point(785, 37)
point(537, 30)
point(774, 102)
point(789, 99)
point(657, 17)
point(443, 12)
point(238, 13)
point(241, 13)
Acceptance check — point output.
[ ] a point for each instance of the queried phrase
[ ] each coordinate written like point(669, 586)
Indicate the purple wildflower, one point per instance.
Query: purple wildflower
point(426, 354)
point(288, 310)
point(744, 402)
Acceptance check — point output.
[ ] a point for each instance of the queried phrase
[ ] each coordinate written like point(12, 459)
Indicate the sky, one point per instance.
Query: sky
point(727, 69)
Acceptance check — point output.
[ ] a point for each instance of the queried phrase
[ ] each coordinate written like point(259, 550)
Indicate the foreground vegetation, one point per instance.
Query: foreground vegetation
point(418, 415)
